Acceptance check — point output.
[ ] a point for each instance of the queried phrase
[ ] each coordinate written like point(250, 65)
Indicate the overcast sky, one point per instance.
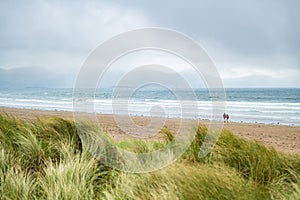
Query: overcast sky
point(254, 43)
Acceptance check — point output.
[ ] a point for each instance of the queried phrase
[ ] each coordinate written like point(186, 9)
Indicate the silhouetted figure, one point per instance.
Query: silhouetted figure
point(224, 116)
point(227, 117)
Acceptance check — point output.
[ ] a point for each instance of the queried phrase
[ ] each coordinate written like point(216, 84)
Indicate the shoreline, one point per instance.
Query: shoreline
point(283, 137)
point(48, 111)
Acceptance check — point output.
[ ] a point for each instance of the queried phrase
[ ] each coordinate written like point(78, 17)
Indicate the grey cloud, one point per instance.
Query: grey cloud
point(237, 34)
point(249, 27)
point(56, 27)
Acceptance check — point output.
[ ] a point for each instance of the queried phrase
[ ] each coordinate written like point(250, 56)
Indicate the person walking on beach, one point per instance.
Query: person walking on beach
point(224, 116)
point(227, 117)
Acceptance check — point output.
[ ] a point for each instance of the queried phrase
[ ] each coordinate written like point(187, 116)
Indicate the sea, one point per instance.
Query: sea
point(263, 105)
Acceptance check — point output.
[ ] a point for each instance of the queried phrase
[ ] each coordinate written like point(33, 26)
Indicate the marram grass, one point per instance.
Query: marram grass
point(45, 159)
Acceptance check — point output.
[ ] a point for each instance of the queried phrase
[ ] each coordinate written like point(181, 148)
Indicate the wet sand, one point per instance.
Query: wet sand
point(285, 138)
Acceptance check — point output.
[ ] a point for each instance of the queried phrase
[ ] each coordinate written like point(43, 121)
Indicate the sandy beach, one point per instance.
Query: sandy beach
point(285, 138)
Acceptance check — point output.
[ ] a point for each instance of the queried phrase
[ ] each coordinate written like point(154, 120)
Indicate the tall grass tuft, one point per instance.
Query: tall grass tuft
point(45, 159)
point(253, 160)
point(77, 177)
point(182, 181)
point(168, 134)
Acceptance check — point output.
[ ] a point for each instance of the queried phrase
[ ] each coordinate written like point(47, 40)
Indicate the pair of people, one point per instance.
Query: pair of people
point(226, 117)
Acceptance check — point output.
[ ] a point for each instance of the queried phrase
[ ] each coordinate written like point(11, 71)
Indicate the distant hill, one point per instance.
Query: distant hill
point(33, 77)
point(40, 77)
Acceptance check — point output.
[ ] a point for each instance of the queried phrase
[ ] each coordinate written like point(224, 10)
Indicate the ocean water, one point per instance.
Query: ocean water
point(269, 106)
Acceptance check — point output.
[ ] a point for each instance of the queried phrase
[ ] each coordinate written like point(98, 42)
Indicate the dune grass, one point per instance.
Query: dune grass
point(45, 159)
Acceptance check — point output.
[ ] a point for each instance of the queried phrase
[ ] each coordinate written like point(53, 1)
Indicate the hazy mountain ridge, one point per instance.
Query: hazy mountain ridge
point(40, 77)
point(33, 77)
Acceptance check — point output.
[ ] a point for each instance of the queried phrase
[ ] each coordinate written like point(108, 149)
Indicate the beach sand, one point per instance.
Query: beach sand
point(285, 138)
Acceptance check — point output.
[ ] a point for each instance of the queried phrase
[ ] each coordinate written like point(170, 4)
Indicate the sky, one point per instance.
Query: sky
point(253, 43)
